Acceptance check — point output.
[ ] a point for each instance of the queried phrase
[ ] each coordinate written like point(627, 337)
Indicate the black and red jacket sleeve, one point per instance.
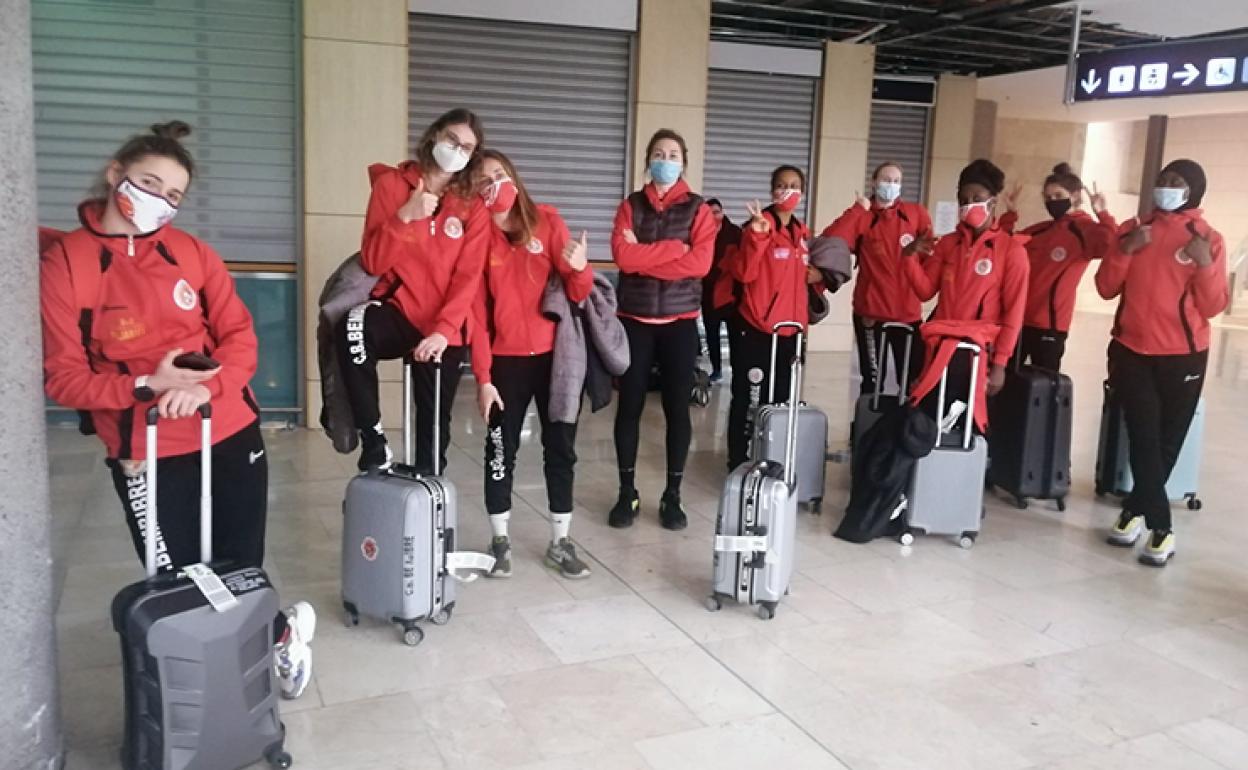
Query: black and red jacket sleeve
point(385, 235)
point(229, 325)
point(667, 260)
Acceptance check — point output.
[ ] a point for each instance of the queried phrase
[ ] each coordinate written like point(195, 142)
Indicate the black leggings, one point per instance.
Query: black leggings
point(1158, 395)
point(1044, 348)
point(240, 492)
point(869, 340)
point(674, 347)
point(521, 379)
point(712, 320)
point(750, 383)
point(373, 332)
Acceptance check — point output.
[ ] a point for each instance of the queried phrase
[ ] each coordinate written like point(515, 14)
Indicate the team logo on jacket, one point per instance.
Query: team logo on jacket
point(1058, 254)
point(1181, 257)
point(369, 548)
point(184, 295)
point(453, 228)
point(535, 246)
point(127, 328)
point(781, 253)
point(905, 240)
point(983, 267)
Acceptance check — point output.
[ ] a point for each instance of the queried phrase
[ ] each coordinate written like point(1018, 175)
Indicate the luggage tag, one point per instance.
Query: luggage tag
point(741, 543)
point(210, 585)
point(468, 560)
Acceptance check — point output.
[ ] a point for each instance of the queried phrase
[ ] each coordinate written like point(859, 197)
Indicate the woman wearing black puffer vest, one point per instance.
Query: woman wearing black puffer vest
point(662, 242)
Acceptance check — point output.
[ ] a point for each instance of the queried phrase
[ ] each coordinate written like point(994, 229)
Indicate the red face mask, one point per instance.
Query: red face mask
point(500, 196)
point(974, 214)
point(787, 200)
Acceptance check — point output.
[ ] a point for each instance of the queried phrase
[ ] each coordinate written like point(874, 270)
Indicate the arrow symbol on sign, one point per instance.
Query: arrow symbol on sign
point(1091, 82)
point(1189, 73)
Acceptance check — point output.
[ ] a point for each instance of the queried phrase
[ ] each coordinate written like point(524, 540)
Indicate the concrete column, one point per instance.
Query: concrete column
point(30, 729)
point(840, 164)
point(984, 132)
point(354, 114)
point(672, 58)
point(953, 125)
point(1154, 152)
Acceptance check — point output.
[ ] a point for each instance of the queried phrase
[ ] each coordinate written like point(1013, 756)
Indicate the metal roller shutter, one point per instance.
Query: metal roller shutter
point(755, 122)
point(899, 134)
point(106, 70)
point(554, 99)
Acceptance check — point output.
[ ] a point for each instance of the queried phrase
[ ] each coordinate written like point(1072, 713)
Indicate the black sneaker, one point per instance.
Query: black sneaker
point(625, 510)
point(375, 453)
point(671, 515)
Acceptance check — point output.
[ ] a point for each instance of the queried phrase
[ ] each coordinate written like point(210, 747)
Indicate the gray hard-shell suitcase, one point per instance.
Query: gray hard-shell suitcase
point(947, 490)
point(398, 538)
point(771, 425)
point(1113, 456)
point(869, 407)
point(200, 689)
point(756, 527)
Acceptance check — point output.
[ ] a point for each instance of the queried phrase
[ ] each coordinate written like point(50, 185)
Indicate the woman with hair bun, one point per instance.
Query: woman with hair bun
point(1059, 250)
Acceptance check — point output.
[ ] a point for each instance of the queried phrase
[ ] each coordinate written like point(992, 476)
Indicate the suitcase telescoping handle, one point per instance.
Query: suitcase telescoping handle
point(205, 489)
point(880, 359)
point(775, 344)
point(974, 350)
point(409, 430)
point(790, 438)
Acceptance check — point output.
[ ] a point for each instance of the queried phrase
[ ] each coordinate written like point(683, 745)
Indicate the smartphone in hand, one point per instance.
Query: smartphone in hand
point(196, 362)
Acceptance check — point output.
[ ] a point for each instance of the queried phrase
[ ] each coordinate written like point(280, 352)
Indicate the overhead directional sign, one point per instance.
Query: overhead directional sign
point(1164, 69)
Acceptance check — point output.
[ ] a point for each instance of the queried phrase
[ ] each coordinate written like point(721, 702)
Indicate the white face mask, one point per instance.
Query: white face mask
point(146, 211)
point(1169, 198)
point(887, 192)
point(450, 158)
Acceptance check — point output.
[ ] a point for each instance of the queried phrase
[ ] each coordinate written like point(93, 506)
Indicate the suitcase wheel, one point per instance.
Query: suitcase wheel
point(413, 635)
point(279, 758)
point(350, 616)
point(1061, 504)
point(767, 610)
point(712, 604)
point(967, 540)
point(1194, 503)
point(1020, 502)
point(443, 617)
point(906, 538)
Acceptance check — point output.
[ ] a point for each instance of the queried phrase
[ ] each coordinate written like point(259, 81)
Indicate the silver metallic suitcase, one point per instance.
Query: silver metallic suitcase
point(869, 407)
point(771, 425)
point(398, 538)
point(756, 527)
point(197, 654)
point(947, 490)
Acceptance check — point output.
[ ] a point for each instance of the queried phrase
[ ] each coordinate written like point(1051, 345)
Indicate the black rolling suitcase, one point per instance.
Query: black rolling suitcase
point(197, 654)
point(1029, 442)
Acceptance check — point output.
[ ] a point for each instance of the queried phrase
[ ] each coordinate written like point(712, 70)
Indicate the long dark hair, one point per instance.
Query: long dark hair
point(524, 213)
point(162, 140)
point(462, 181)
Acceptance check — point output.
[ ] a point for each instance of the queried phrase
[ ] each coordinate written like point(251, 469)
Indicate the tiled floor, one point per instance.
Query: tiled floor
point(1041, 647)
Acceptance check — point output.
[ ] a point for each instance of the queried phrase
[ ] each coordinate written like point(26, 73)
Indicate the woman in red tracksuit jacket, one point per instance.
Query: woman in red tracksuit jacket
point(980, 272)
point(1168, 272)
point(122, 298)
point(773, 268)
point(512, 353)
point(1059, 251)
point(663, 240)
point(425, 234)
point(876, 230)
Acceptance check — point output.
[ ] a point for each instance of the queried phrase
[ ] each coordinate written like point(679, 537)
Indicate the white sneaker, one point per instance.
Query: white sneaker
point(292, 653)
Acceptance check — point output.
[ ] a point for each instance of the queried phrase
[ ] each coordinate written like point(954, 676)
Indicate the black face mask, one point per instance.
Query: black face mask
point(1057, 208)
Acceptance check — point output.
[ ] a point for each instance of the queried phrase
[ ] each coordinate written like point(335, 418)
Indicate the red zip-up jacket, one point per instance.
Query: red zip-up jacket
point(1060, 251)
point(666, 260)
point(156, 292)
point(1165, 300)
point(429, 267)
point(877, 237)
point(771, 268)
point(979, 279)
point(507, 314)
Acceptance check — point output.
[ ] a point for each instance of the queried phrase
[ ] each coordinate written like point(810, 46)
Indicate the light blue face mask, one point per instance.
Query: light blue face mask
point(1169, 198)
point(665, 172)
point(887, 192)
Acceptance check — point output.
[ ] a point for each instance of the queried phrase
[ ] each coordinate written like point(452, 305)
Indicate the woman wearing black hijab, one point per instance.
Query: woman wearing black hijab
point(1168, 271)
